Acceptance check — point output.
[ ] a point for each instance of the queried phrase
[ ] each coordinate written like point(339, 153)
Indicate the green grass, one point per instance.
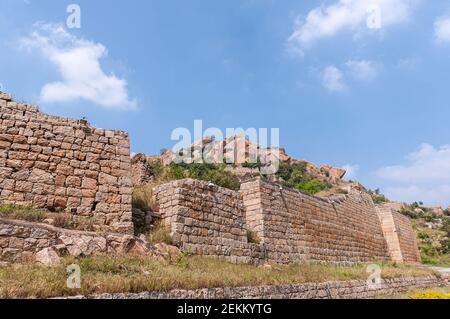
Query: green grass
point(134, 274)
point(22, 213)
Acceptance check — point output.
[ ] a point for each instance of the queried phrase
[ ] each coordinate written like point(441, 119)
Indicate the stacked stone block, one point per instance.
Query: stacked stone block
point(407, 238)
point(299, 227)
point(291, 226)
point(64, 164)
point(207, 220)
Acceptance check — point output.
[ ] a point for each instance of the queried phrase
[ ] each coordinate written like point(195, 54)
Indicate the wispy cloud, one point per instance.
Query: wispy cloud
point(347, 15)
point(333, 79)
point(78, 62)
point(363, 69)
point(442, 29)
point(425, 176)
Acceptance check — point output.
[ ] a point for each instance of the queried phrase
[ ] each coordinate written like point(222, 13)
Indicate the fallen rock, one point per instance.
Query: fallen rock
point(167, 250)
point(48, 257)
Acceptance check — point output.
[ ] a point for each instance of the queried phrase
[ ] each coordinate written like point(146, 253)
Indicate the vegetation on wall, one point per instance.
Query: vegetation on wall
point(377, 197)
point(296, 176)
point(433, 233)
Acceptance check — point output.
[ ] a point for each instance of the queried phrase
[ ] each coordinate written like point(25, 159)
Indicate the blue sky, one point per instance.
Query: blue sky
point(372, 98)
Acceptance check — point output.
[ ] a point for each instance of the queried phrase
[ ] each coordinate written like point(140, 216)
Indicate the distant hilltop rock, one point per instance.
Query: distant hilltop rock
point(237, 150)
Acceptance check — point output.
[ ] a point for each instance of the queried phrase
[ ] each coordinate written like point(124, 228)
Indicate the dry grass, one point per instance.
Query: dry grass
point(143, 198)
point(61, 220)
point(160, 234)
point(135, 274)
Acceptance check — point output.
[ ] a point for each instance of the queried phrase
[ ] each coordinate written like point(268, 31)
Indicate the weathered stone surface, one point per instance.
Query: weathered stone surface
point(48, 257)
point(20, 240)
point(289, 226)
point(56, 163)
point(355, 289)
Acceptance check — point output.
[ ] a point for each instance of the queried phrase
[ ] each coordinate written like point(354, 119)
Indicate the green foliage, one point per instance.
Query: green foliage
point(252, 237)
point(423, 235)
point(377, 197)
point(409, 213)
point(446, 225)
point(205, 172)
point(22, 213)
point(257, 165)
point(312, 186)
point(296, 176)
point(445, 246)
point(155, 168)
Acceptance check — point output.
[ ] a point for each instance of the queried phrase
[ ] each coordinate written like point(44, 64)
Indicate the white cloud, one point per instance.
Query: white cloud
point(352, 171)
point(408, 63)
point(78, 62)
point(363, 70)
point(347, 15)
point(333, 79)
point(425, 177)
point(433, 196)
point(442, 29)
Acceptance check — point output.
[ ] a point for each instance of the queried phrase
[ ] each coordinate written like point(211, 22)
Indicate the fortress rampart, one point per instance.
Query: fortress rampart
point(291, 226)
point(64, 164)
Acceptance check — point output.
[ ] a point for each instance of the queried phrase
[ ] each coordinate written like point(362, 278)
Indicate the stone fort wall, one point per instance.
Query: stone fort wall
point(291, 226)
point(64, 164)
point(399, 235)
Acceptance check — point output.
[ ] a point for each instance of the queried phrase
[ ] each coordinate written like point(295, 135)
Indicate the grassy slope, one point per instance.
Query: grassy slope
point(133, 273)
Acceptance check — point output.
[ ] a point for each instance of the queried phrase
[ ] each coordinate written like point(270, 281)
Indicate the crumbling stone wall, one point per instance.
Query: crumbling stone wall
point(207, 220)
point(20, 241)
point(64, 164)
point(298, 227)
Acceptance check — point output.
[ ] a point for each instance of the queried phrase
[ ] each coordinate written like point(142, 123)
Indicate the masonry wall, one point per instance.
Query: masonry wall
point(353, 289)
point(291, 226)
point(407, 238)
point(207, 220)
point(399, 234)
point(64, 164)
point(295, 227)
point(390, 232)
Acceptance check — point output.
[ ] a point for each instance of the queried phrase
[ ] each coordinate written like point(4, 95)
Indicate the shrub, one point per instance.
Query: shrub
point(445, 246)
point(312, 186)
point(155, 168)
point(205, 172)
point(296, 176)
point(446, 225)
point(409, 213)
point(423, 235)
point(257, 165)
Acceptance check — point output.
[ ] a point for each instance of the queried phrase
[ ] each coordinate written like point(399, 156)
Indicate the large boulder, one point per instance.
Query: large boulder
point(48, 257)
point(333, 173)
